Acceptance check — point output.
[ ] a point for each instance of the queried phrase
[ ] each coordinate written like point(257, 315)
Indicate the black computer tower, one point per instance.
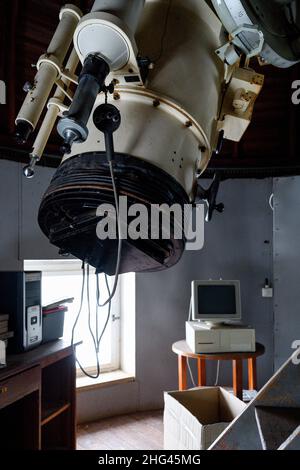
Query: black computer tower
point(20, 298)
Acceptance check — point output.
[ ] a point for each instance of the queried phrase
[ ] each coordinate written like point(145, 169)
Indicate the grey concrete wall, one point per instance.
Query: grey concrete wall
point(286, 266)
point(235, 247)
point(238, 245)
point(10, 216)
point(108, 401)
point(33, 243)
point(20, 235)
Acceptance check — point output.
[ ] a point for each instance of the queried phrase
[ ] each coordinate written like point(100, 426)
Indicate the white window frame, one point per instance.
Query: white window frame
point(68, 267)
point(115, 339)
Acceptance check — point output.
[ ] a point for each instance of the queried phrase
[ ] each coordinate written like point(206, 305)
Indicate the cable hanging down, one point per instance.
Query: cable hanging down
point(96, 337)
point(118, 264)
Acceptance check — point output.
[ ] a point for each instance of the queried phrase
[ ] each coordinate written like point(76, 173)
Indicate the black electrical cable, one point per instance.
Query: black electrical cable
point(84, 275)
point(89, 309)
point(97, 339)
point(110, 294)
point(119, 236)
point(81, 304)
point(97, 306)
point(218, 374)
point(91, 330)
point(91, 376)
point(108, 314)
point(107, 284)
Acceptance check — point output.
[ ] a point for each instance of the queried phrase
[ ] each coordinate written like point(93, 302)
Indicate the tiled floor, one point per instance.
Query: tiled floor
point(141, 431)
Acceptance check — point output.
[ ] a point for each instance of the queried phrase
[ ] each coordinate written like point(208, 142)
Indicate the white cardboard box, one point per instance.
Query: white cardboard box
point(195, 418)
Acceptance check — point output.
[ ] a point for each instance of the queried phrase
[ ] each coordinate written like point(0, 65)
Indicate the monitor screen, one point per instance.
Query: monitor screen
point(216, 300)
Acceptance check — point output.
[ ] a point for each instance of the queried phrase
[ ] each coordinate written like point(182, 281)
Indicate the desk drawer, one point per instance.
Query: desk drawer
point(18, 386)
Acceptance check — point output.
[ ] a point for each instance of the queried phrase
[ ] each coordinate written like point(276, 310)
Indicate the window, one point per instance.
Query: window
point(62, 280)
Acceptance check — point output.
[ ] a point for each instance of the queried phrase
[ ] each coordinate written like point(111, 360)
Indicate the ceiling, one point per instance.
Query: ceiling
point(270, 147)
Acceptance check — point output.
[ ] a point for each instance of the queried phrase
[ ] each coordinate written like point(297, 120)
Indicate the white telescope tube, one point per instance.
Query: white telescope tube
point(48, 72)
point(108, 30)
point(102, 41)
point(127, 11)
point(53, 112)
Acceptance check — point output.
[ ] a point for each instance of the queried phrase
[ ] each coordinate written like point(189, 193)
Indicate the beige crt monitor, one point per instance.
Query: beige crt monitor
point(216, 302)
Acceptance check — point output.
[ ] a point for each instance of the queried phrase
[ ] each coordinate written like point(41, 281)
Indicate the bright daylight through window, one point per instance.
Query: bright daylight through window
point(63, 280)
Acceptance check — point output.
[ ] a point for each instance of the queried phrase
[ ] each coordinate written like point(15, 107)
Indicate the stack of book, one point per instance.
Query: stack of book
point(4, 333)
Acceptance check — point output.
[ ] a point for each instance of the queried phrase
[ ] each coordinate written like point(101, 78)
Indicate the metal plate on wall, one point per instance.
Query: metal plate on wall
point(286, 266)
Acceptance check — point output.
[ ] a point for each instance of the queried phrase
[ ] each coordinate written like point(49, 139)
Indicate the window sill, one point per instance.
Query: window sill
point(106, 379)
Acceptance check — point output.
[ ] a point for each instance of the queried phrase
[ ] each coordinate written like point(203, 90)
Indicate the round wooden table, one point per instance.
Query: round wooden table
point(184, 353)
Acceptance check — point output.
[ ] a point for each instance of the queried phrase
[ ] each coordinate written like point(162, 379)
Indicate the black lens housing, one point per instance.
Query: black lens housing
point(67, 214)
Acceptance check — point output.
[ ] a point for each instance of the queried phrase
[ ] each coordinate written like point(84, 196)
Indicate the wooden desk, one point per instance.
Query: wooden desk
point(38, 399)
point(184, 353)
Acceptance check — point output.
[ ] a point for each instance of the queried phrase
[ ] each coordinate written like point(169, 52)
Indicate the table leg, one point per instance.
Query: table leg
point(252, 374)
point(182, 373)
point(201, 373)
point(238, 378)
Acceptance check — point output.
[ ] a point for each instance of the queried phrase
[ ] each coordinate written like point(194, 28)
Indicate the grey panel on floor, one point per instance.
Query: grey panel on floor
point(285, 393)
point(286, 266)
point(276, 424)
point(293, 442)
point(243, 435)
point(273, 415)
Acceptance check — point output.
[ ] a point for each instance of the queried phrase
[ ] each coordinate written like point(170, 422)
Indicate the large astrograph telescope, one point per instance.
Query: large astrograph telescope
point(178, 73)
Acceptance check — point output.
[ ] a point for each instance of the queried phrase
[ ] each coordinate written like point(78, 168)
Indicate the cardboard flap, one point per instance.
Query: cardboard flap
point(229, 406)
point(200, 403)
point(209, 405)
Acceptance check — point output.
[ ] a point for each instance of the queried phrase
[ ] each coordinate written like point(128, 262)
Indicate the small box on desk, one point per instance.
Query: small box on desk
point(4, 338)
point(2, 354)
point(53, 324)
point(194, 419)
